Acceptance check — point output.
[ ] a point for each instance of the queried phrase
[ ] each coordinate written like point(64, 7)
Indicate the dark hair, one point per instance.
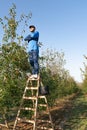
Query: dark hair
point(32, 26)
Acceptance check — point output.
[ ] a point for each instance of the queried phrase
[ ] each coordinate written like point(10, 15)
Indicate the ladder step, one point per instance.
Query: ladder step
point(34, 79)
point(41, 97)
point(32, 98)
point(47, 121)
point(27, 108)
point(45, 128)
point(3, 125)
point(25, 120)
point(43, 105)
point(32, 88)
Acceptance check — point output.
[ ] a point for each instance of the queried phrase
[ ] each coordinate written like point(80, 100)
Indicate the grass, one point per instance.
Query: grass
point(76, 116)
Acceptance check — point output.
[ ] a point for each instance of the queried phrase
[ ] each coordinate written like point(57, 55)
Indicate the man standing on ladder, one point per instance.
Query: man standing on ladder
point(33, 50)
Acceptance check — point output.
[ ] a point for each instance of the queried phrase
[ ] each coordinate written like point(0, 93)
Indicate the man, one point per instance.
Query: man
point(33, 50)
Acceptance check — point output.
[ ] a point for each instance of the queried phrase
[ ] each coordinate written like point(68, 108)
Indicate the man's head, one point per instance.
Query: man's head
point(32, 28)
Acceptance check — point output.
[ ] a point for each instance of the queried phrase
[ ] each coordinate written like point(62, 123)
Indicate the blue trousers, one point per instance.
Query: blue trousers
point(33, 58)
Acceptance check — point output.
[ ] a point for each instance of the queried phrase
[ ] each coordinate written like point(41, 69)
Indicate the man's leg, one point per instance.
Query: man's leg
point(31, 61)
point(36, 64)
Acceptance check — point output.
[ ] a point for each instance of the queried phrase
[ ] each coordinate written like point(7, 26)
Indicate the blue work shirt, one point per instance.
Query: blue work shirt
point(32, 39)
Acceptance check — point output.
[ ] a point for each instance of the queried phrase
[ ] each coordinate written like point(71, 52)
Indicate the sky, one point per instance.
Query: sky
point(62, 25)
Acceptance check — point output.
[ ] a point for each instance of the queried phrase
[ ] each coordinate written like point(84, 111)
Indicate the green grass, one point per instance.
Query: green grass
point(76, 117)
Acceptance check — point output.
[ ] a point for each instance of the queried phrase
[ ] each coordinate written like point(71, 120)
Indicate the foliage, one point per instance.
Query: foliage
point(84, 74)
point(10, 25)
point(13, 62)
point(0, 49)
point(54, 61)
point(56, 76)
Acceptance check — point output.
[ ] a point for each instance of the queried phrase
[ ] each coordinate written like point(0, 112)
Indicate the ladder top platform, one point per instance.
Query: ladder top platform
point(29, 78)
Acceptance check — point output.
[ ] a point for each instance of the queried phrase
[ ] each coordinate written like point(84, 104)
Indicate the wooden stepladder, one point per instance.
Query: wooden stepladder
point(31, 107)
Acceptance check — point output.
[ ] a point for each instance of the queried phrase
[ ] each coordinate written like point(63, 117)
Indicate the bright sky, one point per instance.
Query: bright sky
point(62, 25)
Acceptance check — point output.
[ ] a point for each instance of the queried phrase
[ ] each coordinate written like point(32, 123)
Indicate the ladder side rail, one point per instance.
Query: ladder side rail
point(36, 106)
point(49, 113)
point(20, 106)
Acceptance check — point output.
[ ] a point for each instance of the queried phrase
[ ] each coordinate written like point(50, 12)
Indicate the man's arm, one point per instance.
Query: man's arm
point(34, 36)
point(29, 38)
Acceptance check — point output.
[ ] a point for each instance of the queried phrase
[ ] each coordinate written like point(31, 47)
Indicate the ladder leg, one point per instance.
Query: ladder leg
point(20, 106)
point(36, 106)
point(49, 114)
